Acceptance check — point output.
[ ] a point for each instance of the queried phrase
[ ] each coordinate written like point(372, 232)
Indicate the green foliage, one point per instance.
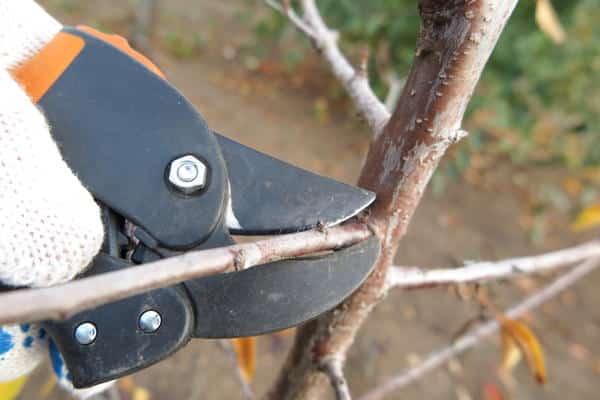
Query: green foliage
point(537, 101)
point(183, 45)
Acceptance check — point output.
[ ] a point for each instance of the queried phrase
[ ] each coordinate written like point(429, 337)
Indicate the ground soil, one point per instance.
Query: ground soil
point(463, 223)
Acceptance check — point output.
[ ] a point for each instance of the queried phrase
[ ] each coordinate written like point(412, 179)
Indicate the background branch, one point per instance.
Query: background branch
point(334, 369)
point(228, 349)
point(409, 278)
point(326, 42)
point(145, 15)
point(471, 339)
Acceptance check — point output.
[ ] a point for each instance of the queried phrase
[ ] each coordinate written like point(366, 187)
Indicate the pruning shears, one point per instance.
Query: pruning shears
point(167, 184)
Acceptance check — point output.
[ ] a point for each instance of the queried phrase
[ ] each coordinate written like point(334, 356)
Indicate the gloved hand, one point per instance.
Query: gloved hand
point(50, 227)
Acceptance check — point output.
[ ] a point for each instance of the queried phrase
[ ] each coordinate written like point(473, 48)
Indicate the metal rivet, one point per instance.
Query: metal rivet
point(187, 174)
point(86, 333)
point(149, 321)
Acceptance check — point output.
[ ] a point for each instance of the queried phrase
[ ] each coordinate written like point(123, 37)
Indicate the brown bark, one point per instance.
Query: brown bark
point(455, 41)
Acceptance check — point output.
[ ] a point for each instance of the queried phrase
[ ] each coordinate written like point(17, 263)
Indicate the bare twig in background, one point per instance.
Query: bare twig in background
point(145, 15)
point(455, 41)
point(227, 347)
point(471, 339)
point(334, 369)
point(403, 277)
point(62, 301)
point(326, 41)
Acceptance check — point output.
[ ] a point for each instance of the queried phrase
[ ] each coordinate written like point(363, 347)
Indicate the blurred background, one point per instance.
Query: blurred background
point(525, 181)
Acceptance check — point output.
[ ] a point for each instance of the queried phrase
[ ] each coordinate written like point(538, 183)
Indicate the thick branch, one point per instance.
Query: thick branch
point(473, 338)
point(407, 278)
point(325, 40)
point(455, 41)
point(62, 301)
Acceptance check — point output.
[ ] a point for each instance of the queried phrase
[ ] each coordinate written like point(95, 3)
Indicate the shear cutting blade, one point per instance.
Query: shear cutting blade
point(279, 295)
point(270, 196)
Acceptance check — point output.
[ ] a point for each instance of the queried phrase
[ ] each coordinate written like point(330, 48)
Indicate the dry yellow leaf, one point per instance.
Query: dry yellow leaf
point(128, 386)
point(591, 174)
point(587, 218)
point(547, 20)
point(140, 393)
point(527, 344)
point(285, 332)
point(511, 353)
point(245, 350)
point(572, 186)
point(10, 390)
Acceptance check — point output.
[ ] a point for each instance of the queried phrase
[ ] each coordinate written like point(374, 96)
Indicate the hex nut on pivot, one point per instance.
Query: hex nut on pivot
point(187, 174)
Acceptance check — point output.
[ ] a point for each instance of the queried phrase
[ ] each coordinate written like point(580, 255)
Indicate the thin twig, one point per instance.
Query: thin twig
point(227, 347)
point(296, 20)
point(405, 277)
point(395, 89)
point(334, 369)
point(143, 26)
point(326, 42)
point(471, 339)
point(62, 301)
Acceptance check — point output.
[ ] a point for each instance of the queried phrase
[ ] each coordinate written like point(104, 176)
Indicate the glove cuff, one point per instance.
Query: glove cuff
point(24, 29)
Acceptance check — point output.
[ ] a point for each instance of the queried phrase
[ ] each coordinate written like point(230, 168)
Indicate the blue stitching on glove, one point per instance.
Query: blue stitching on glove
point(6, 342)
point(56, 359)
point(28, 341)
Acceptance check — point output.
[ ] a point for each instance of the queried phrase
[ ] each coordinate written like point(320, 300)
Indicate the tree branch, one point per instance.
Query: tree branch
point(454, 43)
point(145, 15)
point(410, 278)
point(471, 339)
point(326, 42)
point(334, 369)
point(227, 347)
point(62, 301)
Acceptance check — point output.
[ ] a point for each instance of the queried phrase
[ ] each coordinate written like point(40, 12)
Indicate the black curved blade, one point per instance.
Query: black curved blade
point(270, 196)
point(279, 295)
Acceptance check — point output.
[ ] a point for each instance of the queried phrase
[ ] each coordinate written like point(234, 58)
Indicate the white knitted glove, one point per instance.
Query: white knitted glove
point(50, 227)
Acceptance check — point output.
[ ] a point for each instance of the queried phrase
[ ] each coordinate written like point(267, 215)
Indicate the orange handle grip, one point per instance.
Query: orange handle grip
point(38, 74)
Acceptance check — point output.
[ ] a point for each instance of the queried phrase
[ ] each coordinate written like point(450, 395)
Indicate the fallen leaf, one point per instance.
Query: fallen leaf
point(516, 332)
point(547, 20)
point(245, 350)
point(511, 354)
point(10, 390)
point(587, 218)
point(140, 393)
point(126, 384)
point(491, 392)
point(591, 174)
point(578, 352)
point(284, 333)
point(572, 186)
point(135, 392)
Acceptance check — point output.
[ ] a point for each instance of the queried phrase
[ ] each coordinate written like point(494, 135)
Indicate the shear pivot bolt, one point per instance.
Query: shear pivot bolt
point(187, 174)
point(86, 333)
point(149, 321)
